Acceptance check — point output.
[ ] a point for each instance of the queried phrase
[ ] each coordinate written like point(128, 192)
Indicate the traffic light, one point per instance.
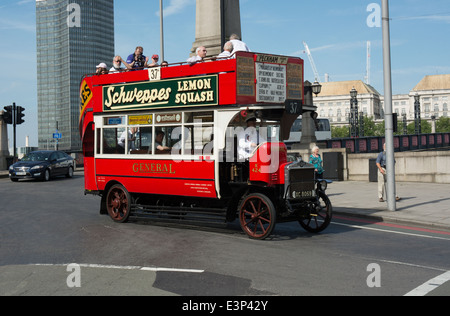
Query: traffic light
point(20, 115)
point(8, 114)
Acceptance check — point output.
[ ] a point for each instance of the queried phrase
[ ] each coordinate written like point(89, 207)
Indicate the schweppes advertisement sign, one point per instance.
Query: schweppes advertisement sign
point(194, 91)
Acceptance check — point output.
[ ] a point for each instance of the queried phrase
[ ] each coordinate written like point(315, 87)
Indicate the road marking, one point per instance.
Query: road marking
point(430, 285)
point(152, 269)
point(425, 230)
point(391, 231)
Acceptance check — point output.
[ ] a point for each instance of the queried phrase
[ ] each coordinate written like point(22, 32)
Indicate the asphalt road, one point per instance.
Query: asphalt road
point(45, 226)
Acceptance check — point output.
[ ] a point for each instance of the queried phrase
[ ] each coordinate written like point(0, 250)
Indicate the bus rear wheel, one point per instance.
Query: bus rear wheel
point(118, 203)
point(257, 215)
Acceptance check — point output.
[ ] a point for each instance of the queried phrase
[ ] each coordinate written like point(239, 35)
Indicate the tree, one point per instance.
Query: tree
point(443, 125)
point(340, 132)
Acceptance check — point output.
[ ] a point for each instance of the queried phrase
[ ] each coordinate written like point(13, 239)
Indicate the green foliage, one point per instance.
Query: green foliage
point(443, 125)
point(378, 129)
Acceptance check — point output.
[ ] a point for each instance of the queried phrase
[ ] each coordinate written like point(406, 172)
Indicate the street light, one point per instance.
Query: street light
point(417, 123)
point(354, 113)
point(316, 88)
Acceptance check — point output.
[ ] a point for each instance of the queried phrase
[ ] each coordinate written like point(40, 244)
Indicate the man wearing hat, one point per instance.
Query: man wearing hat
point(154, 62)
point(102, 69)
point(249, 139)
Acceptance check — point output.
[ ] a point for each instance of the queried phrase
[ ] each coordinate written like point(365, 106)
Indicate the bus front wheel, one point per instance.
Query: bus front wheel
point(118, 203)
point(257, 215)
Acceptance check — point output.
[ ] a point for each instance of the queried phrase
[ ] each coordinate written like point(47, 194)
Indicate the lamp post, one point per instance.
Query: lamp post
point(161, 29)
point(405, 124)
point(361, 124)
point(316, 88)
point(354, 113)
point(417, 122)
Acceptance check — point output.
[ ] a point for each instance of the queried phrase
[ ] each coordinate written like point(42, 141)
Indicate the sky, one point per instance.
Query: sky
point(335, 31)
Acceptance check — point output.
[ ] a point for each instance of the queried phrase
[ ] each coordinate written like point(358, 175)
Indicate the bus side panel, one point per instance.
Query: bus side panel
point(163, 177)
point(89, 174)
point(227, 88)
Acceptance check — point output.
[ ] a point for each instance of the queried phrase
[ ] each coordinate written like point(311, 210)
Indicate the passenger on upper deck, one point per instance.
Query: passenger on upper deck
point(137, 60)
point(154, 62)
point(102, 69)
point(238, 45)
point(200, 55)
point(117, 62)
point(227, 49)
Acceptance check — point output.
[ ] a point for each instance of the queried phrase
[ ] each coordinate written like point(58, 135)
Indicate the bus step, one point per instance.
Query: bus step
point(179, 215)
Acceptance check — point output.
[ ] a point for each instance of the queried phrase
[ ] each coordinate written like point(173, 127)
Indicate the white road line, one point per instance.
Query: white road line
point(101, 266)
point(430, 285)
point(391, 231)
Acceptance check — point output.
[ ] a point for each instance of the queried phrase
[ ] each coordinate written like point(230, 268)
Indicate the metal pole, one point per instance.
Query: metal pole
point(161, 22)
point(14, 118)
point(389, 134)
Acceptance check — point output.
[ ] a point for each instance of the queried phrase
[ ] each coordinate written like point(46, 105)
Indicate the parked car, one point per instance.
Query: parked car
point(42, 165)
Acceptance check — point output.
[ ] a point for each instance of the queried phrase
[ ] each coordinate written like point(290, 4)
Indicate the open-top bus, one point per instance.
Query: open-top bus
point(162, 144)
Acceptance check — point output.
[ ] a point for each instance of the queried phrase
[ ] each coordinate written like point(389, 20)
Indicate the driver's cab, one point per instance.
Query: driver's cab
point(264, 158)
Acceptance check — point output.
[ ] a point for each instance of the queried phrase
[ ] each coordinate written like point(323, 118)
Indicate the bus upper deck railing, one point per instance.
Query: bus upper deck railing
point(250, 78)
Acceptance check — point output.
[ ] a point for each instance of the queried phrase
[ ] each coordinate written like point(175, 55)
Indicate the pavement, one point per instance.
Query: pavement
point(421, 204)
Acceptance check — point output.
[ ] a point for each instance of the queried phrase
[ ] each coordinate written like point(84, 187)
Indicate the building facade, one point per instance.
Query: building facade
point(333, 102)
point(73, 36)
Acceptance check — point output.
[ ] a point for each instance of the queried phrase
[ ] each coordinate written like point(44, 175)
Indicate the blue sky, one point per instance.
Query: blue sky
point(335, 31)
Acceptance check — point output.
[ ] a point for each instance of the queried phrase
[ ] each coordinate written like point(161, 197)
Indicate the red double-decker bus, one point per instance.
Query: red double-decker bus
point(174, 144)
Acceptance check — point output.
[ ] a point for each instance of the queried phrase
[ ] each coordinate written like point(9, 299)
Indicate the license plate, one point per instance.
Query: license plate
point(303, 194)
point(21, 173)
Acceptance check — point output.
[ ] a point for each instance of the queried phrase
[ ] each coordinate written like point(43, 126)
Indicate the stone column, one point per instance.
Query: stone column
point(216, 20)
point(308, 140)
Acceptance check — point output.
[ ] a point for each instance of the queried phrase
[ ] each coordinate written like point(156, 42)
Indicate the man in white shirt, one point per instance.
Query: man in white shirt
point(227, 49)
point(200, 55)
point(249, 139)
point(238, 45)
point(117, 65)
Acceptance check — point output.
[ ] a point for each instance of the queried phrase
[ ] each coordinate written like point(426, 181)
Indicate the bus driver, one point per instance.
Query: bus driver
point(249, 139)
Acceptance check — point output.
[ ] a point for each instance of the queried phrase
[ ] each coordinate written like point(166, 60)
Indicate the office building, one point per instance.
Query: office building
point(73, 36)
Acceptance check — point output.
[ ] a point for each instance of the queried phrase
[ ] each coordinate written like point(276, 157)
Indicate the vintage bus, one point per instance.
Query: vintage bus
point(164, 144)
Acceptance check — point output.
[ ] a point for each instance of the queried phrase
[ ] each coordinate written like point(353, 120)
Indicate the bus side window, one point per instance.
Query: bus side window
point(143, 142)
point(179, 137)
point(111, 140)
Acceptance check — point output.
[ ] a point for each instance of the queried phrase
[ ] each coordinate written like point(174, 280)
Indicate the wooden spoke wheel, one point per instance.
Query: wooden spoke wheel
point(118, 203)
point(320, 215)
point(257, 215)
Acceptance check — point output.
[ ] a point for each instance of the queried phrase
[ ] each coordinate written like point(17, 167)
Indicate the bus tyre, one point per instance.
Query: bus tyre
point(257, 215)
point(118, 203)
point(320, 215)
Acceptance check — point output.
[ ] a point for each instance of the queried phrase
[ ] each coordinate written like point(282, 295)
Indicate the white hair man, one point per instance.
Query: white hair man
point(200, 55)
point(227, 49)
